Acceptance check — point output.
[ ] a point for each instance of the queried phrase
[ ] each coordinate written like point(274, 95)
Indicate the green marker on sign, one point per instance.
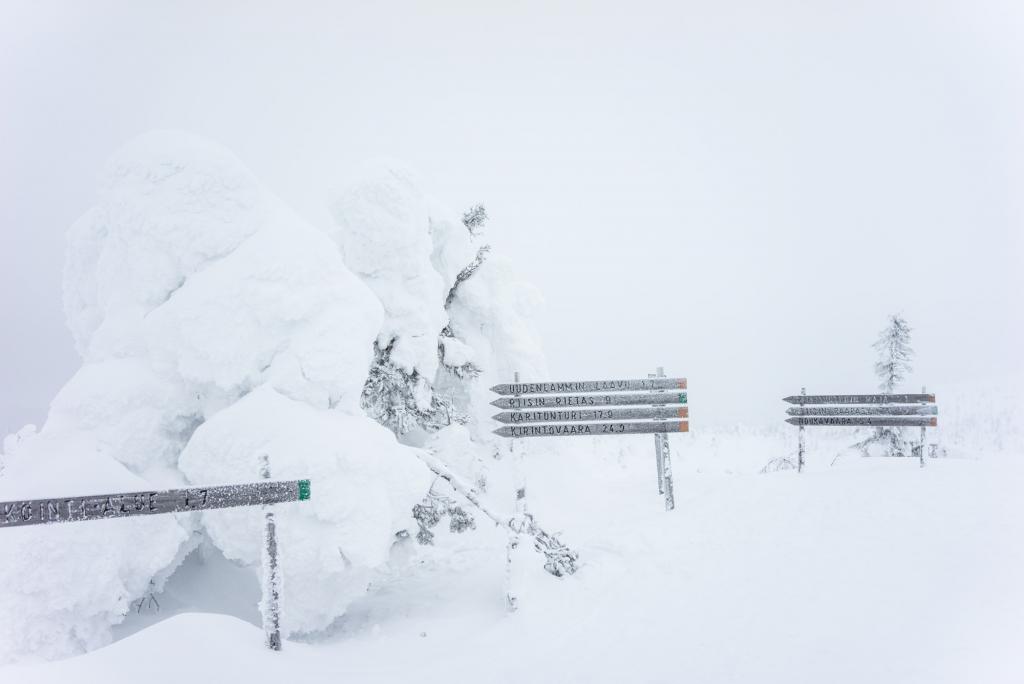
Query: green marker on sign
point(303, 490)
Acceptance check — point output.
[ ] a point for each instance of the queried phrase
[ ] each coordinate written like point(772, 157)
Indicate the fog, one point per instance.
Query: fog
point(736, 192)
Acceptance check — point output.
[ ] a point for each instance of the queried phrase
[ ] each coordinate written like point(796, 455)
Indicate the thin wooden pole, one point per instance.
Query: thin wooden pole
point(658, 462)
point(271, 576)
point(519, 515)
point(800, 438)
point(666, 464)
point(924, 390)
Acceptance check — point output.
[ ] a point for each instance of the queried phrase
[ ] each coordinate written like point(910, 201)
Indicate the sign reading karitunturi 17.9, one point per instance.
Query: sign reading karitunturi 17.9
point(598, 408)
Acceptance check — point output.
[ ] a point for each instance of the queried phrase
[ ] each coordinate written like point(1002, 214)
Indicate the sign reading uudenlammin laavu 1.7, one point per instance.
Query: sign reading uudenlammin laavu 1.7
point(582, 386)
point(101, 506)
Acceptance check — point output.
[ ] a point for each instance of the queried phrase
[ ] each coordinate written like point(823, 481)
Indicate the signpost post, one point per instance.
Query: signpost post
point(129, 504)
point(862, 410)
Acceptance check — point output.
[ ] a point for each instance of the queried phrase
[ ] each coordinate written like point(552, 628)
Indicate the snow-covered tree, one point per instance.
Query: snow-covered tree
point(894, 354)
point(891, 368)
point(214, 326)
point(475, 218)
point(453, 317)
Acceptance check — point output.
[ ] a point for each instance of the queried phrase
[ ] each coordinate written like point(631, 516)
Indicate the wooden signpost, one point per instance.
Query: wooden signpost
point(594, 408)
point(862, 410)
point(67, 509)
point(591, 408)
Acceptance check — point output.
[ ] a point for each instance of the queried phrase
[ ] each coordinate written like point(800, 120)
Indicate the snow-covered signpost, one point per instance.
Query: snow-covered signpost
point(863, 410)
point(129, 504)
point(592, 408)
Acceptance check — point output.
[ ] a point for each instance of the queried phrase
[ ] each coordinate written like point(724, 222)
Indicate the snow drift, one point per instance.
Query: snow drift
point(215, 325)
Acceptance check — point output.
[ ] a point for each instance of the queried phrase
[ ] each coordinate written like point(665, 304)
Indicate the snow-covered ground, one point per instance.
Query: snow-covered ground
point(217, 327)
point(861, 570)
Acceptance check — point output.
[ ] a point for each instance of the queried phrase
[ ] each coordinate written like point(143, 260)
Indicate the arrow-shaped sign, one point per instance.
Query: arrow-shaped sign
point(101, 506)
point(583, 386)
point(590, 429)
point(590, 400)
point(872, 421)
point(886, 410)
point(861, 399)
point(576, 415)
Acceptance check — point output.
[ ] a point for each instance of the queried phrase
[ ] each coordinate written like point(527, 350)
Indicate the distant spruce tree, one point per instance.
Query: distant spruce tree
point(894, 354)
point(891, 369)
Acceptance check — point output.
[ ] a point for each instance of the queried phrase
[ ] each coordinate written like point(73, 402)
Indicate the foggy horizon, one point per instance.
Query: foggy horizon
point(739, 195)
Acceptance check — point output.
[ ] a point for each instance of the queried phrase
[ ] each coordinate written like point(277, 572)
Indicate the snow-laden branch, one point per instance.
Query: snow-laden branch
point(560, 559)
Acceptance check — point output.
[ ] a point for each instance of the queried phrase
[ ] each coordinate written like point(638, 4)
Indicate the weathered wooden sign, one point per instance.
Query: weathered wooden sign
point(861, 399)
point(586, 400)
point(102, 506)
point(591, 429)
point(582, 408)
point(862, 410)
point(868, 421)
point(576, 415)
point(884, 410)
point(583, 386)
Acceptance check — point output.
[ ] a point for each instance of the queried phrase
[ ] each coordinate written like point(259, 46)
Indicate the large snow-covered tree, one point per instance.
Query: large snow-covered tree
point(215, 326)
point(456, 321)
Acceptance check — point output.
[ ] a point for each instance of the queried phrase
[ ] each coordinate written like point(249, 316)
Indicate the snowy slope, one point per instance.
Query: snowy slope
point(869, 570)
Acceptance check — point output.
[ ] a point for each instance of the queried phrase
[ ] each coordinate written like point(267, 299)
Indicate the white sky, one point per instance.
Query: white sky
point(738, 191)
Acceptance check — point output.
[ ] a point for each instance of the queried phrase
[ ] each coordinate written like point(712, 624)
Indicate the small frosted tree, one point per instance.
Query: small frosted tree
point(891, 368)
point(894, 354)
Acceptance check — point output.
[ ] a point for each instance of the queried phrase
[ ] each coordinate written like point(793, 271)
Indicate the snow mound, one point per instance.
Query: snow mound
point(189, 286)
point(364, 487)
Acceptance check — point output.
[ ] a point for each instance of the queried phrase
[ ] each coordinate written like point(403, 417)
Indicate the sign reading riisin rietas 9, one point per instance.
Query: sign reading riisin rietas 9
point(590, 400)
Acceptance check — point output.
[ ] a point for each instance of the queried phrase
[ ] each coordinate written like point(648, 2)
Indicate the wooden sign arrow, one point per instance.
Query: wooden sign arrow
point(887, 410)
point(101, 506)
point(872, 421)
point(591, 429)
point(861, 399)
point(576, 415)
point(590, 400)
point(583, 386)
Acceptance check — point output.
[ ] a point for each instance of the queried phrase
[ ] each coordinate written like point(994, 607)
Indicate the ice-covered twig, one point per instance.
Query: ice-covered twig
point(560, 559)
